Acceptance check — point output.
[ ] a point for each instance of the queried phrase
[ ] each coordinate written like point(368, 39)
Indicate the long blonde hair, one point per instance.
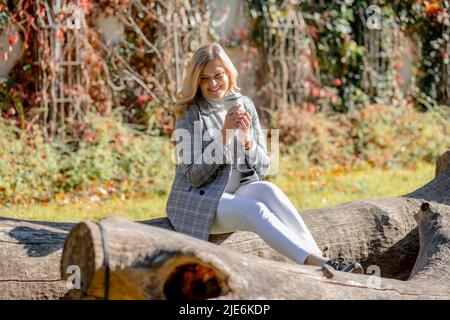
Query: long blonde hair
point(188, 92)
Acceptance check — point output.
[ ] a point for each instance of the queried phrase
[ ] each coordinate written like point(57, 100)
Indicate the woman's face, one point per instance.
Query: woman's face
point(213, 80)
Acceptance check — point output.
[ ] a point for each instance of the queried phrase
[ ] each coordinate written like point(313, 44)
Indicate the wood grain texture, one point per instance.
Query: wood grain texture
point(30, 255)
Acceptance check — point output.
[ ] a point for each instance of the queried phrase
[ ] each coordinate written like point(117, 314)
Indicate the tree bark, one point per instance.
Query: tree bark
point(379, 231)
point(120, 259)
point(30, 257)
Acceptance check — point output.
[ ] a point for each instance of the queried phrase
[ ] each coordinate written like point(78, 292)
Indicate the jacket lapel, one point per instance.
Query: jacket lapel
point(209, 121)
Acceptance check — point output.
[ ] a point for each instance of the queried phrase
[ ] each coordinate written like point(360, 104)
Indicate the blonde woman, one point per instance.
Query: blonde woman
point(214, 193)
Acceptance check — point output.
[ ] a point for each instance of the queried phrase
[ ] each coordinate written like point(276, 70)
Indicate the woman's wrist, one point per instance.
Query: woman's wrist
point(224, 139)
point(248, 142)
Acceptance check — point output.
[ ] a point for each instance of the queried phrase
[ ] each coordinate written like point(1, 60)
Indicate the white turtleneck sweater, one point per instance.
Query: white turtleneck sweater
point(219, 111)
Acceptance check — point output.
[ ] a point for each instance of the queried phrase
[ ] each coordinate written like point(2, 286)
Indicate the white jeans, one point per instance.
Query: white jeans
point(263, 208)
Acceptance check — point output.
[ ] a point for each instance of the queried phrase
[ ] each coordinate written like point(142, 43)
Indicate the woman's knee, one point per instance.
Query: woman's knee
point(268, 189)
point(255, 212)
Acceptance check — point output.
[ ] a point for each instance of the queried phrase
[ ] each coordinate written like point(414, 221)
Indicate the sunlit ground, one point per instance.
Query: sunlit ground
point(307, 189)
point(319, 188)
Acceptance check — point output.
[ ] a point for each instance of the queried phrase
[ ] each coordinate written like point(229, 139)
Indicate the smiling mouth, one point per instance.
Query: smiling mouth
point(215, 90)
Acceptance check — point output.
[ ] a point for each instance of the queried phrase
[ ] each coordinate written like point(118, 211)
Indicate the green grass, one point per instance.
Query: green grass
point(307, 188)
point(316, 188)
point(142, 208)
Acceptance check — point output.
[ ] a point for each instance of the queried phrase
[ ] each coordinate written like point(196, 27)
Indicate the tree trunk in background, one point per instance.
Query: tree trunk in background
point(380, 231)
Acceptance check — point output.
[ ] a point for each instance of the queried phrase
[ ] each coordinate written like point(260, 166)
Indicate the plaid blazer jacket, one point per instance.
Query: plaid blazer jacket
point(200, 182)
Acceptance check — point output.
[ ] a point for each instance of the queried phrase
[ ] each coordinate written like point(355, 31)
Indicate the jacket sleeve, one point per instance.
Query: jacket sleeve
point(258, 156)
point(197, 165)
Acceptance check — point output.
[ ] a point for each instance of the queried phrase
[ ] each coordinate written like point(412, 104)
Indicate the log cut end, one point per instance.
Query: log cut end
point(188, 278)
point(433, 261)
point(79, 252)
point(117, 264)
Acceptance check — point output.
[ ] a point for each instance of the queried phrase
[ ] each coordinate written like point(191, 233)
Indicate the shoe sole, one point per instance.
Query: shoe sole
point(355, 267)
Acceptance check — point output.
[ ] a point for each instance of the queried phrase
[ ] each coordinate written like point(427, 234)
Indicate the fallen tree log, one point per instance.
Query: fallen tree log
point(30, 257)
point(120, 259)
point(378, 232)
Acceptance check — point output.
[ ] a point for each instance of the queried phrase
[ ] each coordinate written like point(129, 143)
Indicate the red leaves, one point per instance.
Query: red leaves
point(315, 91)
point(337, 82)
point(41, 11)
point(315, 64)
point(313, 32)
point(13, 39)
point(143, 99)
point(86, 4)
point(432, 8)
point(89, 137)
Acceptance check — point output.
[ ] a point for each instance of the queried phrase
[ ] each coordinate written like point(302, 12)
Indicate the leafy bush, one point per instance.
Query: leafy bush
point(378, 135)
point(110, 158)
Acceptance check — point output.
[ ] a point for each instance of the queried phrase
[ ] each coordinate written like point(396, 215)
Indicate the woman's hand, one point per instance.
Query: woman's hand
point(244, 135)
point(243, 128)
point(232, 118)
point(236, 118)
